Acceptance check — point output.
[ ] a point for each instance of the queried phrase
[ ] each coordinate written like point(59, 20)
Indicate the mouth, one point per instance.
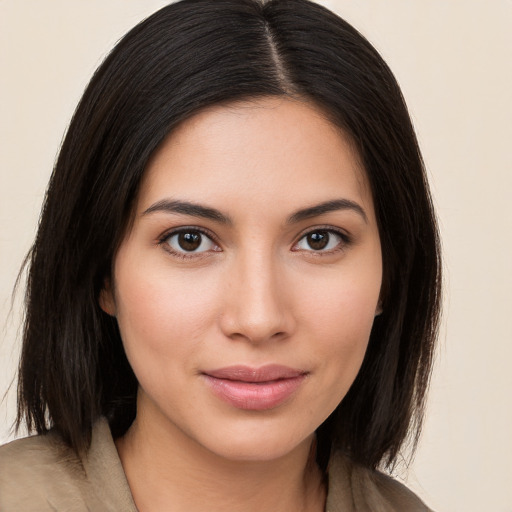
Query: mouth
point(255, 389)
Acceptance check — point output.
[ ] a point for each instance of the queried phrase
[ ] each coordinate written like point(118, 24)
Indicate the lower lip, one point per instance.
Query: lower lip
point(254, 396)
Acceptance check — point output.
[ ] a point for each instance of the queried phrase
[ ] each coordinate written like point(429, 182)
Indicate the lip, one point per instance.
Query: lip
point(255, 389)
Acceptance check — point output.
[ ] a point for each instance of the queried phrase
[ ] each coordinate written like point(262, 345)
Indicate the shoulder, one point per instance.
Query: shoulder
point(391, 493)
point(356, 488)
point(32, 468)
point(41, 473)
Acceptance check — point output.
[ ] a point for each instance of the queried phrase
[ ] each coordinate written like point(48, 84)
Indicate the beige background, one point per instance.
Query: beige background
point(453, 59)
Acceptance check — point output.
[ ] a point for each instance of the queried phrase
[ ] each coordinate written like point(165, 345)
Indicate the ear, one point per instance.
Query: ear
point(379, 310)
point(106, 299)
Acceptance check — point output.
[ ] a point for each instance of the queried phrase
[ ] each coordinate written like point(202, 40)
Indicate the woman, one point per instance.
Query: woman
point(233, 294)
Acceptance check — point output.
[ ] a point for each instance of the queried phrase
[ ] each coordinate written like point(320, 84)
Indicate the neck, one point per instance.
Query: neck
point(167, 468)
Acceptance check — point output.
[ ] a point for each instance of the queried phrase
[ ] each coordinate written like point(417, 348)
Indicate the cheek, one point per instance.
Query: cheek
point(344, 308)
point(340, 317)
point(161, 319)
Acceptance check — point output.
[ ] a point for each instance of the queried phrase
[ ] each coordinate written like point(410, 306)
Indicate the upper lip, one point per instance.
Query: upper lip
point(250, 374)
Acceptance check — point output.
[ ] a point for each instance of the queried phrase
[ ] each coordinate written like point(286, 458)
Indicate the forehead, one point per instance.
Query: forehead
point(261, 151)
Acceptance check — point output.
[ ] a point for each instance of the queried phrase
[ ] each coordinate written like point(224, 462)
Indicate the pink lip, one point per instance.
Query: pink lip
point(255, 389)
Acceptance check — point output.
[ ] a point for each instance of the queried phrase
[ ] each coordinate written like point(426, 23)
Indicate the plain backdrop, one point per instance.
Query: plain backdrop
point(453, 59)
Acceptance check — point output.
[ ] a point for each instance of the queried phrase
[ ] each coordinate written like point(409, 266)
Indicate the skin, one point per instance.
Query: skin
point(254, 293)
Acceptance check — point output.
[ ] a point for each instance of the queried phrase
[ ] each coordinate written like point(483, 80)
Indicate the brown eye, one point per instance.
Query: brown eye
point(190, 241)
point(321, 240)
point(318, 240)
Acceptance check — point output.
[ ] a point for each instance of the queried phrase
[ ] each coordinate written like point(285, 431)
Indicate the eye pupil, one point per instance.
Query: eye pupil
point(189, 241)
point(318, 240)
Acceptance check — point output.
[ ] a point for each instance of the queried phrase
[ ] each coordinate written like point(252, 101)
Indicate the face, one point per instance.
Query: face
point(246, 289)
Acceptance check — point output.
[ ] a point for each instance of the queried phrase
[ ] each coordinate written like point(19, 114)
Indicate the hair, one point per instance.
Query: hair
point(186, 57)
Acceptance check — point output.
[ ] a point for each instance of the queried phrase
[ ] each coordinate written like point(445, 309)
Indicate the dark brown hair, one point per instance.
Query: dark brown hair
point(188, 56)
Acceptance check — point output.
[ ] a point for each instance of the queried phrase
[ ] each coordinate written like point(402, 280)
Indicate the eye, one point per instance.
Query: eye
point(321, 240)
point(189, 241)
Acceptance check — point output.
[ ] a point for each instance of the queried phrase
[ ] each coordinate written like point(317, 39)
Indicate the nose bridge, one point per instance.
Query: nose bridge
point(256, 308)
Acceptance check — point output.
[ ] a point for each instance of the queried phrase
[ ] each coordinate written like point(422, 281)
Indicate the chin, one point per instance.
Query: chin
point(251, 452)
point(257, 445)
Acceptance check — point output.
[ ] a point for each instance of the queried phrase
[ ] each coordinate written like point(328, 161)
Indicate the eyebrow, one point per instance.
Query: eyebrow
point(206, 212)
point(188, 208)
point(327, 207)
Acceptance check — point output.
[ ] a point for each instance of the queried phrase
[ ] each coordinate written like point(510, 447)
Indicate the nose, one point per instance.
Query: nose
point(256, 307)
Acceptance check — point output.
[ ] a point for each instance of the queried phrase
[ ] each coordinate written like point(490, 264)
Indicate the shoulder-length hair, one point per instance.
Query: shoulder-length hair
point(184, 58)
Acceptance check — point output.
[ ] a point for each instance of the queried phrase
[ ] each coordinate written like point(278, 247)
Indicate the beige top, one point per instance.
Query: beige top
point(42, 474)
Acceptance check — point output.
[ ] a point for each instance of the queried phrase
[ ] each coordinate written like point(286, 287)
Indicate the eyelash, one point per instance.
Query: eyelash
point(163, 241)
point(345, 242)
